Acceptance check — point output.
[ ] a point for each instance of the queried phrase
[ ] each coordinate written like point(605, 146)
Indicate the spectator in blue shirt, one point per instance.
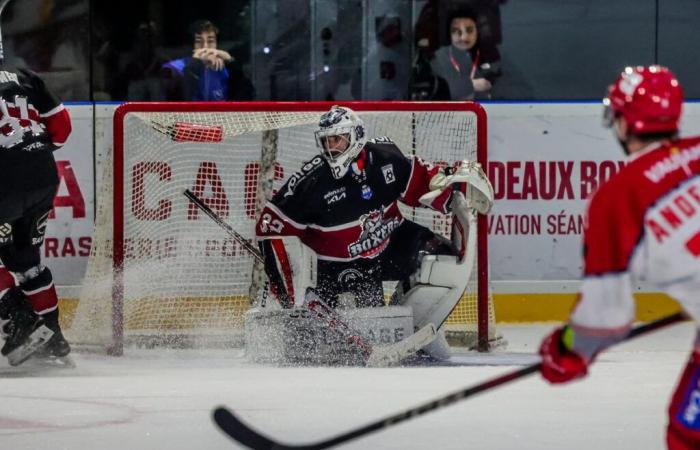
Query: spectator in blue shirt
point(210, 74)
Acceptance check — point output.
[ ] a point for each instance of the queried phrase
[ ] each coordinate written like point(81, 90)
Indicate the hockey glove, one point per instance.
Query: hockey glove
point(559, 364)
point(470, 178)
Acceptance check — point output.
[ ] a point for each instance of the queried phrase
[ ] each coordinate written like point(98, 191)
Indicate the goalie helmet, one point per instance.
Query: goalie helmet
point(649, 98)
point(349, 132)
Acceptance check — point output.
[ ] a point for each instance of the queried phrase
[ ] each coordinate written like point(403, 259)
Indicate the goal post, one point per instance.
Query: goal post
point(160, 272)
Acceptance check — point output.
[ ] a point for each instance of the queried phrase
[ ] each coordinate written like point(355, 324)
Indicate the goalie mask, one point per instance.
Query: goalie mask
point(340, 138)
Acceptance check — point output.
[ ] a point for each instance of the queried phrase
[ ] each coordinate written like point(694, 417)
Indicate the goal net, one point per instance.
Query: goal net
point(162, 272)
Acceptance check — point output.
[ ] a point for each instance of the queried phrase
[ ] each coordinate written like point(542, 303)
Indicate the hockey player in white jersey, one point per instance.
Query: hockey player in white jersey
point(642, 225)
point(343, 206)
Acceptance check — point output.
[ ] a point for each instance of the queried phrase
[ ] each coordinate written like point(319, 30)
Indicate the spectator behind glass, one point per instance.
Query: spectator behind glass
point(140, 71)
point(210, 74)
point(469, 67)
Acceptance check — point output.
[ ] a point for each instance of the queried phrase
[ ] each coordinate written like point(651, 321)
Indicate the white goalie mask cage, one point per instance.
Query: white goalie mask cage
point(341, 121)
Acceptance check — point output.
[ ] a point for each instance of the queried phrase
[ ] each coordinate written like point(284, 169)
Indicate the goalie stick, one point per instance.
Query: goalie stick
point(245, 435)
point(374, 356)
point(228, 228)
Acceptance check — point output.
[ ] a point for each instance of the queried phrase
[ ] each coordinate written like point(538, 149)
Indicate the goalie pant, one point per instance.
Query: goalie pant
point(363, 277)
point(353, 224)
point(643, 225)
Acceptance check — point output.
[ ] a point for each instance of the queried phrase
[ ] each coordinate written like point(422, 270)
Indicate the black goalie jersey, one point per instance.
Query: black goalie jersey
point(33, 123)
point(353, 217)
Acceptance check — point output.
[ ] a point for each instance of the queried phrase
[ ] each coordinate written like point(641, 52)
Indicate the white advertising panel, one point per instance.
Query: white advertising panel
point(69, 231)
point(545, 160)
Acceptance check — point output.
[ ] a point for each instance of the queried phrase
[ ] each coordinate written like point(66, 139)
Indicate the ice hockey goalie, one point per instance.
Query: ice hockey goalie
point(334, 233)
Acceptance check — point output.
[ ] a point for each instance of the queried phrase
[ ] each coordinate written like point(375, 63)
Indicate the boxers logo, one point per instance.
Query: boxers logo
point(375, 234)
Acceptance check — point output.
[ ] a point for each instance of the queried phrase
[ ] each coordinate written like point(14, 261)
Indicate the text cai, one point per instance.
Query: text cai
point(147, 177)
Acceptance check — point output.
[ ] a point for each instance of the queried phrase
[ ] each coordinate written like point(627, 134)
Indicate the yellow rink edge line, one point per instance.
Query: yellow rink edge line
point(517, 308)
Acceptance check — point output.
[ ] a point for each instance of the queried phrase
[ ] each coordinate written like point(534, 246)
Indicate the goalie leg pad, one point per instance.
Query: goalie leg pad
point(440, 284)
point(683, 432)
point(294, 336)
point(291, 268)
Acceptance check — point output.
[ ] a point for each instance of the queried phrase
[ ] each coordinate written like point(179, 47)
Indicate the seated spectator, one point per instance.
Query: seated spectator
point(469, 67)
point(140, 66)
point(210, 74)
point(424, 84)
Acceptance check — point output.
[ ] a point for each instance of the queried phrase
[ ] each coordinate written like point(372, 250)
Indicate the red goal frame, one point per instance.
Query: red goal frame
point(118, 188)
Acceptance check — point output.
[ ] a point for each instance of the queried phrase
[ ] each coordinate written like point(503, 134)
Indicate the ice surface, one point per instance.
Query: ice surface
point(162, 400)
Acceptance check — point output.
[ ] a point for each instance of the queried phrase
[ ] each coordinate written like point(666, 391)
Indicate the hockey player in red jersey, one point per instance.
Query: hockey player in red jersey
point(33, 123)
point(343, 205)
point(642, 225)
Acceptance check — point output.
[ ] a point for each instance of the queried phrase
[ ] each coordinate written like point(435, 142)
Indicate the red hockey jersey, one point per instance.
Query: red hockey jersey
point(642, 226)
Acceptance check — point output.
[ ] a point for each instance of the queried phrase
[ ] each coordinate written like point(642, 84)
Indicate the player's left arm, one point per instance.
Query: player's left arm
point(432, 186)
point(605, 307)
point(52, 113)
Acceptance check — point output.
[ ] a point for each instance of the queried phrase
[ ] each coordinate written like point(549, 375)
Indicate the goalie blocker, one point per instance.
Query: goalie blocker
point(285, 332)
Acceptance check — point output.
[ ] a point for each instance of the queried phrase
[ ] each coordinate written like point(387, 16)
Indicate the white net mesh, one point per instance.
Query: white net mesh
point(183, 276)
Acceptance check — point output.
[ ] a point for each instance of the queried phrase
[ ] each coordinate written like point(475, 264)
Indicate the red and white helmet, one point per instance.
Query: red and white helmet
point(649, 98)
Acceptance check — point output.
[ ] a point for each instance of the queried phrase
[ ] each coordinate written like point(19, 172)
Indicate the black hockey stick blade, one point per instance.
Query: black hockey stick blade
point(241, 432)
point(245, 435)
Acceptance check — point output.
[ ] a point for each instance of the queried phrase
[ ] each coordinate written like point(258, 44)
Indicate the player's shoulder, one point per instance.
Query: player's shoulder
point(638, 185)
point(383, 147)
point(29, 79)
point(659, 161)
point(308, 175)
point(381, 141)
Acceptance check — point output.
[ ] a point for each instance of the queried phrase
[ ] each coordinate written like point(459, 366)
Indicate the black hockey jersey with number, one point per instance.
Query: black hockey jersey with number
point(352, 217)
point(33, 123)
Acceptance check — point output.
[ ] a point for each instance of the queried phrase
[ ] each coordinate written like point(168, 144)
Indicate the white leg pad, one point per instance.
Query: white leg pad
point(441, 283)
point(439, 348)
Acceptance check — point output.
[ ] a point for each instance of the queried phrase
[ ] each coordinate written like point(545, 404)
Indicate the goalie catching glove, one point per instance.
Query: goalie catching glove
point(467, 177)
